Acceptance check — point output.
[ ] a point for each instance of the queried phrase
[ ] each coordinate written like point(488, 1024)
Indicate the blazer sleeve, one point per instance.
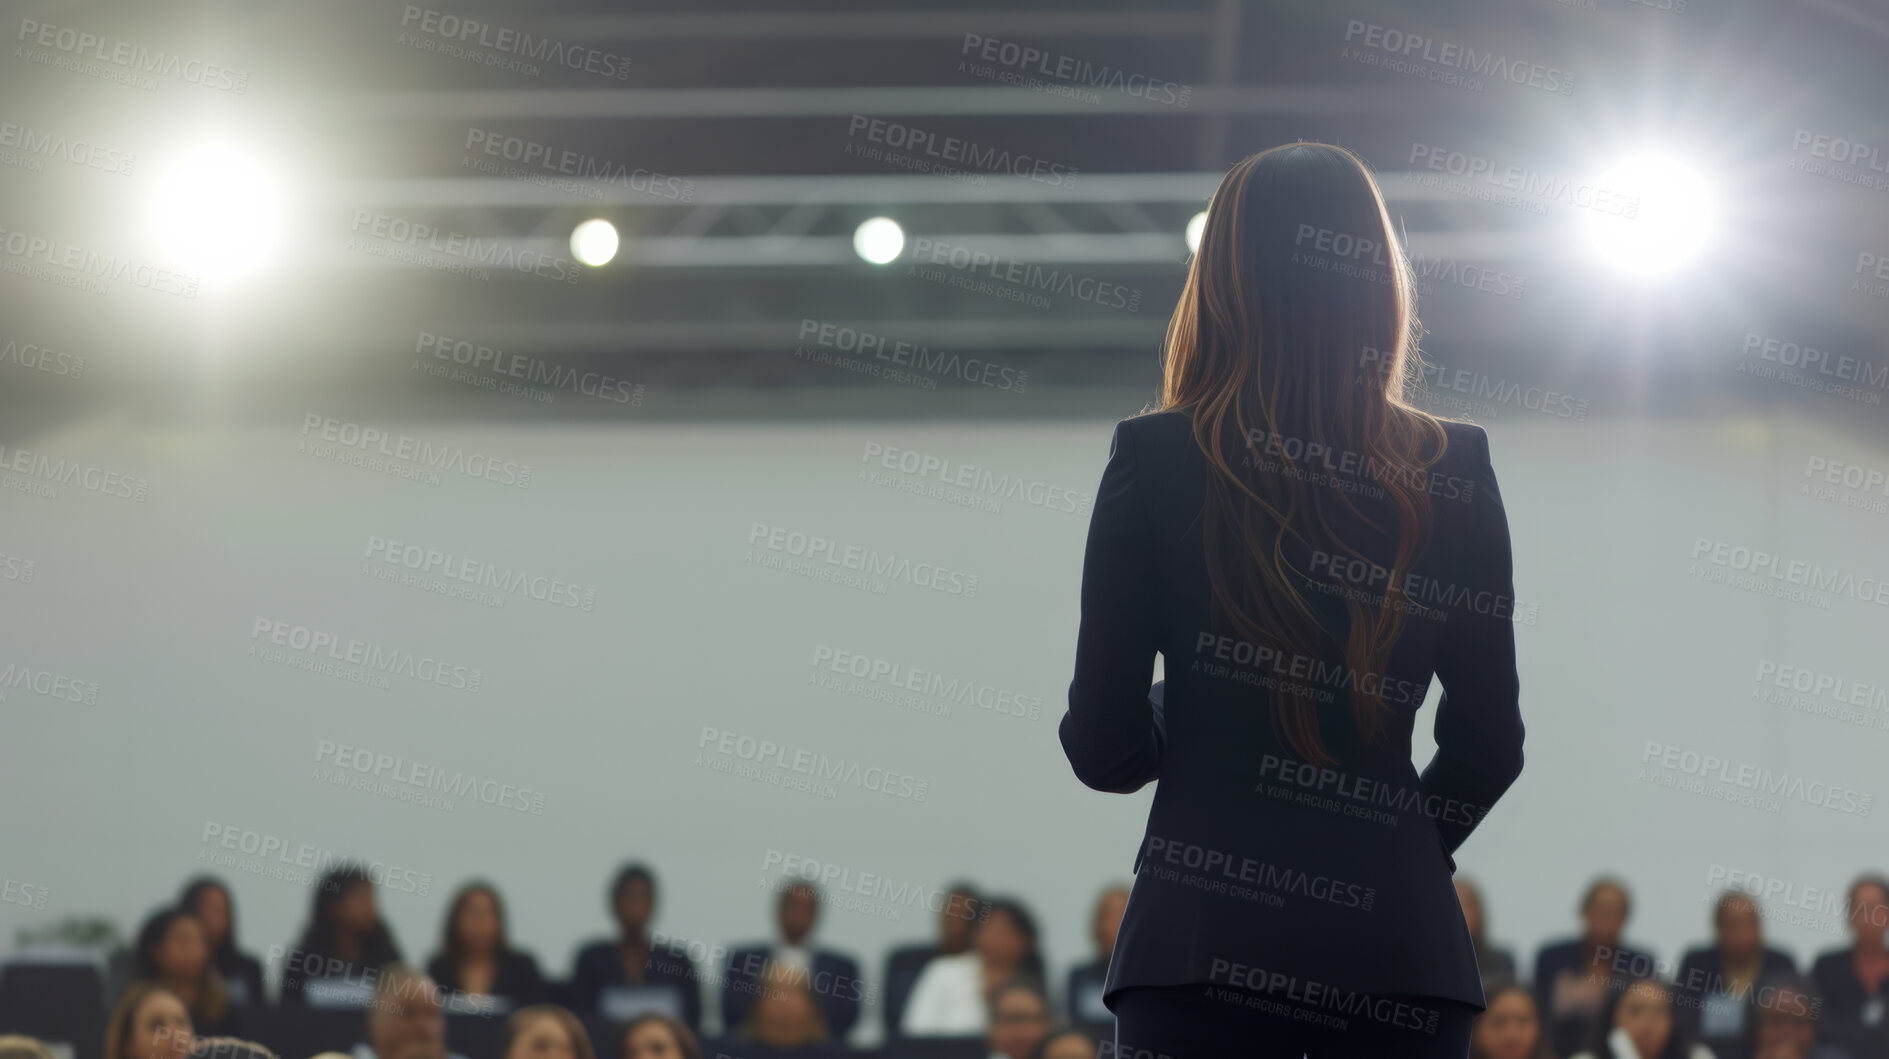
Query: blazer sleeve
point(1478, 719)
point(1111, 733)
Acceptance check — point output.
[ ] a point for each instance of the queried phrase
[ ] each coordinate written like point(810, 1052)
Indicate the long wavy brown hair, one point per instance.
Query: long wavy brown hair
point(1297, 327)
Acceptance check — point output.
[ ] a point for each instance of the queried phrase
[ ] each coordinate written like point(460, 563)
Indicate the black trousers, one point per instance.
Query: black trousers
point(1204, 1021)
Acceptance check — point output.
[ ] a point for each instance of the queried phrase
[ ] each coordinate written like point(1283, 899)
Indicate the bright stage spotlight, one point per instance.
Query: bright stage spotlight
point(879, 240)
point(1668, 216)
point(594, 242)
point(1196, 225)
point(217, 210)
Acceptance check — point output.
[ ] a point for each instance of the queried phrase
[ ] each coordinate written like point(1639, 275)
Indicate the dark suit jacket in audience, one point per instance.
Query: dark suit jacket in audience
point(295, 979)
point(518, 979)
point(600, 966)
point(835, 985)
point(902, 969)
point(1497, 967)
point(1083, 999)
point(1569, 1034)
point(1845, 1004)
point(242, 977)
point(1702, 975)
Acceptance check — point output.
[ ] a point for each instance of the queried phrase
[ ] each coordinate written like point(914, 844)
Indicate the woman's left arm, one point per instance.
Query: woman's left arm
point(1112, 733)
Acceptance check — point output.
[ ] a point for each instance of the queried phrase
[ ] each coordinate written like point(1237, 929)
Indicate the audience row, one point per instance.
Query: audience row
point(1593, 995)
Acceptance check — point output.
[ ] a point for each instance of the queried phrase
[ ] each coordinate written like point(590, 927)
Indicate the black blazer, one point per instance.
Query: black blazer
point(1841, 1022)
point(835, 986)
point(1497, 966)
point(1088, 979)
point(600, 966)
point(242, 977)
point(377, 951)
point(902, 968)
point(518, 980)
point(1254, 864)
point(1702, 976)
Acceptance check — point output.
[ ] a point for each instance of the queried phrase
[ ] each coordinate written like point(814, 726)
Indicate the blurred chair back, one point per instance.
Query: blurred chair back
point(57, 994)
point(937, 1048)
point(293, 1032)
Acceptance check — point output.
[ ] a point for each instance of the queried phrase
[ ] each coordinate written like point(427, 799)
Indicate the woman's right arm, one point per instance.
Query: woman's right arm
point(1478, 719)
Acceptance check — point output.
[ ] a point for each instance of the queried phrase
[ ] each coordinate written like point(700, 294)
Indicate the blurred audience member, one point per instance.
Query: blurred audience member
point(545, 1031)
point(1573, 978)
point(834, 976)
point(1084, 999)
point(622, 977)
point(476, 956)
point(782, 1022)
point(961, 909)
point(1497, 965)
point(659, 1036)
point(1511, 1026)
point(953, 993)
point(345, 940)
point(15, 1046)
point(1784, 1025)
point(1019, 1019)
point(405, 1020)
point(210, 899)
point(1717, 985)
point(1068, 1044)
point(1854, 980)
point(148, 1022)
point(172, 951)
point(1636, 1022)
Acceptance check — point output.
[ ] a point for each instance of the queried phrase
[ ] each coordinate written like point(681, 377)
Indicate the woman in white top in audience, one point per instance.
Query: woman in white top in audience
point(952, 995)
point(1637, 1023)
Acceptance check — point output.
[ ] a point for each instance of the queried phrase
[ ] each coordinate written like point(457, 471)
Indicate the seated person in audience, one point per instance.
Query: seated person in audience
point(405, 1019)
point(148, 1022)
point(1019, 1019)
point(1497, 965)
point(210, 899)
point(781, 1021)
point(1068, 1044)
point(1854, 980)
point(173, 952)
point(659, 1036)
point(344, 942)
point(475, 957)
point(1084, 999)
point(1784, 1021)
point(834, 975)
point(956, 915)
point(611, 974)
point(1510, 1027)
point(545, 1031)
point(1636, 1022)
point(1717, 985)
point(953, 993)
point(1574, 978)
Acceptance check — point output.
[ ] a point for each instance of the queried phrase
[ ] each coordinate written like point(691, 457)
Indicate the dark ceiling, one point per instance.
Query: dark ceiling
point(736, 146)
